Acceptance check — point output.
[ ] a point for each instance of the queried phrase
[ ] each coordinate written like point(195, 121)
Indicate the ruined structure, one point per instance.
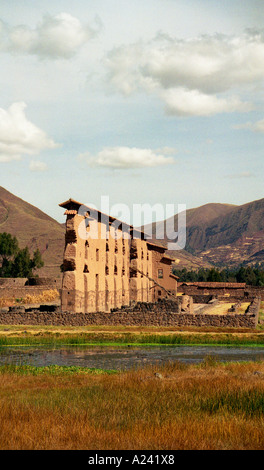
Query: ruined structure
point(109, 264)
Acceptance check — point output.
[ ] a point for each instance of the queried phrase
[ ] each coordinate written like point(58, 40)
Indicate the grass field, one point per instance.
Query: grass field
point(210, 406)
point(124, 335)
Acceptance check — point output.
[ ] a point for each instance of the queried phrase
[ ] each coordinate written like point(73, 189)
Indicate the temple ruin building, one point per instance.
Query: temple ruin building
point(109, 264)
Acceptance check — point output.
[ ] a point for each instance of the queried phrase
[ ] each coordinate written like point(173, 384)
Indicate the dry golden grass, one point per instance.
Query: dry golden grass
point(48, 295)
point(222, 308)
point(190, 407)
point(7, 302)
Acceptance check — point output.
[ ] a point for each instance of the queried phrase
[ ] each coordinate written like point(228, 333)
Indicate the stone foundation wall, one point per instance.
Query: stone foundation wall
point(255, 291)
point(254, 307)
point(143, 314)
point(194, 290)
point(227, 293)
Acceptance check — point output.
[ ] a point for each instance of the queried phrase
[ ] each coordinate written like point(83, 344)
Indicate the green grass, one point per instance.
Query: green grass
point(248, 402)
point(118, 340)
point(52, 370)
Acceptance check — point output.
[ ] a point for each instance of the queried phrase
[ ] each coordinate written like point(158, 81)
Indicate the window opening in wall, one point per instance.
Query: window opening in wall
point(133, 252)
point(96, 292)
point(85, 270)
point(160, 273)
point(86, 249)
point(115, 269)
point(106, 270)
point(97, 254)
point(107, 246)
point(133, 273)
point(159, 292)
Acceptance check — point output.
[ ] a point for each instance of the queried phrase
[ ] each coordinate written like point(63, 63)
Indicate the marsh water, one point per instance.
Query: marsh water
point(123, 358)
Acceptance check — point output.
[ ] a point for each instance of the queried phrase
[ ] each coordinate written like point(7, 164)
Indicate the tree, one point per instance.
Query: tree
point(253, 276)
point(37, 261)
point(8, 249)
point(15, 262)
point(214, 276)
point(8, 246)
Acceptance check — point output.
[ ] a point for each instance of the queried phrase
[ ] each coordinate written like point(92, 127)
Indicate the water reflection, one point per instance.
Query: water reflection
point(123, 358)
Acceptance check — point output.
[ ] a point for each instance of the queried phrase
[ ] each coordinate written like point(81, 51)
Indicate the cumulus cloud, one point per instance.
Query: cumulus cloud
point(189, 74)
point(126, 158)
point(18, 136)
point(194, 103)
point(36, 165)
point(59, 36)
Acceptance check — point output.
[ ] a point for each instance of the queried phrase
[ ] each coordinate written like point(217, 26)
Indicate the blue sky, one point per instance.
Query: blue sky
point(159, 101)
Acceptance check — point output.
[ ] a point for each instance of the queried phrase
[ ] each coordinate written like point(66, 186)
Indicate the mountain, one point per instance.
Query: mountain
point(33, 228)
point(220, 234)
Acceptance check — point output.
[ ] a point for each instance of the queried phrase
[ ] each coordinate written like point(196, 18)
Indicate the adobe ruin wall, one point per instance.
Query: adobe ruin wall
point(21, 287)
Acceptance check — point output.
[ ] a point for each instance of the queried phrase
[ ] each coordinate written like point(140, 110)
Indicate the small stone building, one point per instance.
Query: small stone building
point(109, 264)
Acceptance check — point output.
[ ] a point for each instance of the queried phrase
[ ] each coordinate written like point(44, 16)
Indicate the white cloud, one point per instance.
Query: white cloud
point(59, 36)
point(193, 103)
point(253, 126)
point(189, 74)
point(126, 158)
point(18, 136)
point(36, 165)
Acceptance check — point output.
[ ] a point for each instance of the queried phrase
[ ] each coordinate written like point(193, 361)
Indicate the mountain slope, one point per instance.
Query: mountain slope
point(216, 233)
point(33, 228)
point(222, 233)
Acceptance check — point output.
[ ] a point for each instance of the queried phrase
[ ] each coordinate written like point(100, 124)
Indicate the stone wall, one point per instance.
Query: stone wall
point(228, 292)
point(50, 282)
point(254, 291)
point(142, 314)
point(13, 282)
point(194, 290)
point(254, 307)
point(17, 288)
point(21, 292)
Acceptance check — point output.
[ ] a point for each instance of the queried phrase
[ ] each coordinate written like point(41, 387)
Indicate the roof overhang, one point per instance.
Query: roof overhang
point(72, 205)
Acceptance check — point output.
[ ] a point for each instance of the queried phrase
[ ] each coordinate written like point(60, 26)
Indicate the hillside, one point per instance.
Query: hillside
point(33, 228)
point(222, 234)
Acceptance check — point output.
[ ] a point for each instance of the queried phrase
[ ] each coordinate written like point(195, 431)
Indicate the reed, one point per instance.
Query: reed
point(119, 339)
point(177, 406)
